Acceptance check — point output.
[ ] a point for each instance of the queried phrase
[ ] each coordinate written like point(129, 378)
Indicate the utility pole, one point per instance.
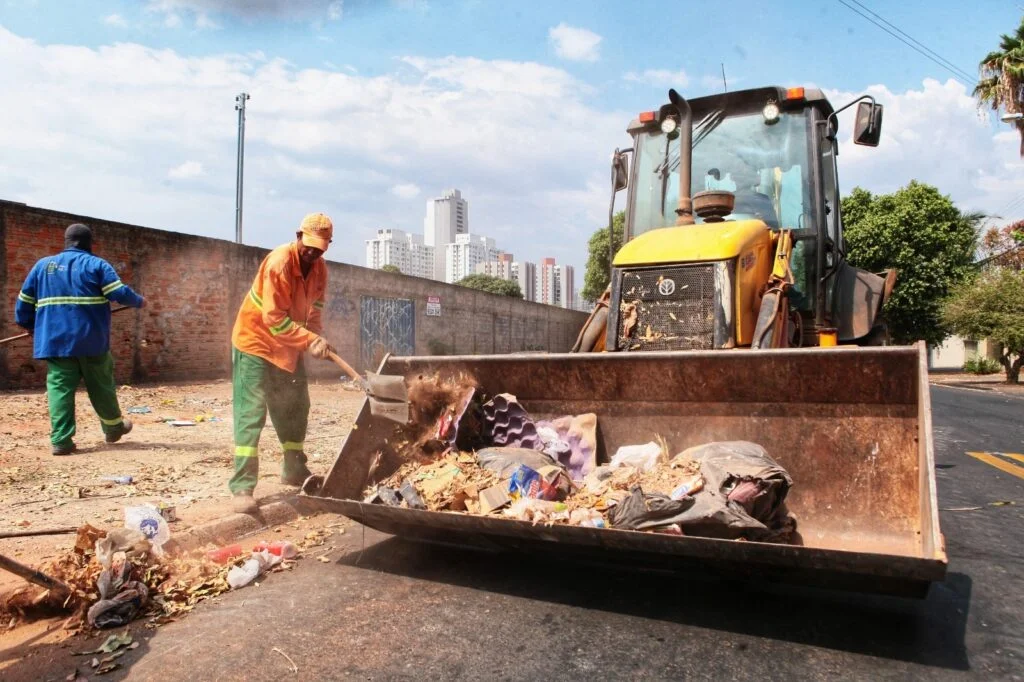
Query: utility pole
point(240, 101)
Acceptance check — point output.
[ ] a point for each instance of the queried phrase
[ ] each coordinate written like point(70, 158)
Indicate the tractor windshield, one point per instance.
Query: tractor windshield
point(765, 166)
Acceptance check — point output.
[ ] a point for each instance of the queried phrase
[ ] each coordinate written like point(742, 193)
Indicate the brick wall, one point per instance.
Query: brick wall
point(194, 285)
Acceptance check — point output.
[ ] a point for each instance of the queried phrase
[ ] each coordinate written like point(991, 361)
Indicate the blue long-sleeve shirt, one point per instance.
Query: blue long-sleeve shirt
point(65, 303)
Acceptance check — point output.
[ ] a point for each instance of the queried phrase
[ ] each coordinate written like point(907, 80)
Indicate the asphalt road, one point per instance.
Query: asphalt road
point(390, 609)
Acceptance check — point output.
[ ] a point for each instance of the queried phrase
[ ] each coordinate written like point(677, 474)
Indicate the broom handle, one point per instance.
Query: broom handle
point(22, 336)
point(345, 367)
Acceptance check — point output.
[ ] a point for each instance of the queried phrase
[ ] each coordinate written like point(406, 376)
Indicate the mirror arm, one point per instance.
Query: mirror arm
point(611, 207)
point(835, 115)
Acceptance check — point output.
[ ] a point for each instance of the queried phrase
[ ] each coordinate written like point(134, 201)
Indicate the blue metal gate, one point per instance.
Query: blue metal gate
point(387, 325)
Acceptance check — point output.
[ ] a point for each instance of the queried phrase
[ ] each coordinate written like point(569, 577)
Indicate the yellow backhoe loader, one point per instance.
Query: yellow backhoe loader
point(732, 314)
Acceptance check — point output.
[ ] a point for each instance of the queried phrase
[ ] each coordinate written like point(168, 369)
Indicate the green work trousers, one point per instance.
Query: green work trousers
point(259, 387)
point(63, 375)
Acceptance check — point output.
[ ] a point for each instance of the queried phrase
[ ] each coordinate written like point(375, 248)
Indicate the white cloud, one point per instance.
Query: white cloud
point(186, 171)
point(505, 133)
point(935, 135)
point(204, 23)
point(172, 20)
point(335, 10)
point(406, 191)
point(661, 78)
point(115, 20)
point(575, 44)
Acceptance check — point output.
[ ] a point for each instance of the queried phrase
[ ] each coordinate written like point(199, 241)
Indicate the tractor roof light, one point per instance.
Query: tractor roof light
point(770, 112)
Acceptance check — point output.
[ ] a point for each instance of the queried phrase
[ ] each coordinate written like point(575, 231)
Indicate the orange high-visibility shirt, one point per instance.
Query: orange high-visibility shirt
point(280, 316)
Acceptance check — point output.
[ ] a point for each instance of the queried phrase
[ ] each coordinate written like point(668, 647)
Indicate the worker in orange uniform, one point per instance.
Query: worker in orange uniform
point(279, 320)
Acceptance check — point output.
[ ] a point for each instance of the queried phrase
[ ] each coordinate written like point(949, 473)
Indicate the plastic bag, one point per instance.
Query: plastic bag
point(537, 511)
point(148, 521)
point(119, 540)
point(644, 457)
point(259, 563)
point(121, 599)
point(640, 511)
point(744, 493)
point(505, 461)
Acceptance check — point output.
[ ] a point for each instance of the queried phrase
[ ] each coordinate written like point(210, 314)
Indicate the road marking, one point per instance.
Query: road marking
point(1002, 465)
point(1011, 455)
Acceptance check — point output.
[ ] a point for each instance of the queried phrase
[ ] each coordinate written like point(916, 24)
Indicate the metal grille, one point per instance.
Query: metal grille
point(667, 308)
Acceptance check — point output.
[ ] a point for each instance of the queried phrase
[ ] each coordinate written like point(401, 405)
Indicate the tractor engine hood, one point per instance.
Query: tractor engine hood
point(691, 243)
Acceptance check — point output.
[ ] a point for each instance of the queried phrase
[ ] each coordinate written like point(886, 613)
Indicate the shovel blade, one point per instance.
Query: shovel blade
point(393, 410)
point(387, 386)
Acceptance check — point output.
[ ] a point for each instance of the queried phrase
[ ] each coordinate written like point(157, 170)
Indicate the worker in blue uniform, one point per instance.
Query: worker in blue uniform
point(65, 305)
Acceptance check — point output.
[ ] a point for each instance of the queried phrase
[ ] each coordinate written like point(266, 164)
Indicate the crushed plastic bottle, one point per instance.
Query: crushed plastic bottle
point(120, 480)
point(223, 555)
point(258, 563)
point(281, 548)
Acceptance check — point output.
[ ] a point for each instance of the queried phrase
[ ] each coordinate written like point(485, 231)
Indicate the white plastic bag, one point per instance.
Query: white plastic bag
point(254, 566)
point(644, 457)
point(148, 521)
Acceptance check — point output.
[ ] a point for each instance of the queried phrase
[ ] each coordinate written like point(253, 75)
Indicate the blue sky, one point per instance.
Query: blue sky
point(366, 108)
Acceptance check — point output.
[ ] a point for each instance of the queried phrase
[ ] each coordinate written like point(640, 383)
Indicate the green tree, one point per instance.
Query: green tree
point(390, 268)
point(929, 242)
point(492, 285)
point(596, 276)
point(1002, 79)
point(992, 307)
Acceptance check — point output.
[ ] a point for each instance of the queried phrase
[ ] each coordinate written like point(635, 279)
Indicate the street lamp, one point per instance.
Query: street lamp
point(1010, 118)
point(240, 101)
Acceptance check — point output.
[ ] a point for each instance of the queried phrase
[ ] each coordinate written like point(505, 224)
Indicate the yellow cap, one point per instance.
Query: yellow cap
point(317, 231)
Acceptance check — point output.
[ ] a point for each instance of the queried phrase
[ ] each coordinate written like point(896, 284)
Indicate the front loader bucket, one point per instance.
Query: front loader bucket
point(852, 426)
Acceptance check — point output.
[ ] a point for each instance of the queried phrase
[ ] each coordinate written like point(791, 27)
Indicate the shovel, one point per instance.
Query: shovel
point(388, 396)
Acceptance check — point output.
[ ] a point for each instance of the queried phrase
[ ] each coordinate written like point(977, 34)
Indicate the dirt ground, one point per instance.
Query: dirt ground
point(984, 382)
point(184, 466)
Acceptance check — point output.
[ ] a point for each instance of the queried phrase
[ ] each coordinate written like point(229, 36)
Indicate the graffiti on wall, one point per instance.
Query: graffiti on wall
point(386, 325)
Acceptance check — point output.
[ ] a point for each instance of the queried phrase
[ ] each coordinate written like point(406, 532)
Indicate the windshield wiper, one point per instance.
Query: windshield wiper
point(706, 126)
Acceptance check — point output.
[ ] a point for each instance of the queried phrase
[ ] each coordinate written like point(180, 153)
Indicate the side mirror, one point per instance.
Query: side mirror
point(867, 128)
point(620, 171)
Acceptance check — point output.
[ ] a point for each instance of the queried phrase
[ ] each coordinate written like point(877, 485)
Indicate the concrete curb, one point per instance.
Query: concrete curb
point(230, 528)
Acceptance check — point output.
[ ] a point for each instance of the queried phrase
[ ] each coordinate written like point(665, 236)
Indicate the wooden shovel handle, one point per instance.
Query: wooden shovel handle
point(22, 336)
point(345, 367)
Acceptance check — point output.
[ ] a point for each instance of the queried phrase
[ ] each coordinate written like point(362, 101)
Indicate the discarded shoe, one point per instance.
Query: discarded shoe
point(122, 429)
point(66, 449)
point(244, 503)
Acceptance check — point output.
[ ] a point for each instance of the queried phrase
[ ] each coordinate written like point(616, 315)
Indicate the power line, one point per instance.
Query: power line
point(945, 62)
point(959, 76)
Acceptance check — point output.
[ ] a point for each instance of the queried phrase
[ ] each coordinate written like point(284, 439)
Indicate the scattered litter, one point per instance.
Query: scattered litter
point(295, 668)
point(960, 509)
point(281, 548)
point(1002, 503)
point(223, 555)
point(254, 566)
point(644, 457)
point(181, 422)
point(120, 480)
point(150, 522)
point(139, 410)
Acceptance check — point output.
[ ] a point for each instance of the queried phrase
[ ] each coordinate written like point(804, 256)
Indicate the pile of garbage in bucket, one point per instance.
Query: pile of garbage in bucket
point(491, 458)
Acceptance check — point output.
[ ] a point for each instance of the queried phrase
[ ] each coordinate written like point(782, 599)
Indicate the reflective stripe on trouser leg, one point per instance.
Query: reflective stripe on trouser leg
point(249, 414)
point(62, 378)
point(288, 403)
point(98, 372)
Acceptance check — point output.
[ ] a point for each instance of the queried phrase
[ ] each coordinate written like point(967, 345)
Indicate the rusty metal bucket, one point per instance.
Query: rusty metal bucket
point(851, 425)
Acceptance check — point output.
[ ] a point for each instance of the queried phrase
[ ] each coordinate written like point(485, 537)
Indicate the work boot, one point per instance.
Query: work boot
point(64, 449)
point(122, 429)
point(243, 502)
point(294, 470)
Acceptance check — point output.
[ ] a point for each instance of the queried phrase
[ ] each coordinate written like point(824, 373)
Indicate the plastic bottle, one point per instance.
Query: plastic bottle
point(281, 548)
point(120, 480)
point(222, 555)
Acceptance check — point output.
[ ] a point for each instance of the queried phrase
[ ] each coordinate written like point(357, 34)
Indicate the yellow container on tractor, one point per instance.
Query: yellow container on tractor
point(732, 314)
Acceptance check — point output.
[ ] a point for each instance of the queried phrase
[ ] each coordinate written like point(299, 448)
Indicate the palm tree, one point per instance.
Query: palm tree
point(1002, 79)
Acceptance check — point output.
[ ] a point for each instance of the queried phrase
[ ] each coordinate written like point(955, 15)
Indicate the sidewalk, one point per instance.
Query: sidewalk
point(183, 466)
point(985, 382)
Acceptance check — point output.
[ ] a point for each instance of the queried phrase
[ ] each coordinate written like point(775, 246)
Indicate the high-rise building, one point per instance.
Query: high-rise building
point(447, 217)
point(401, 249)
point(465, 253)
point(545, 279)
point(522, 272)
point(526, 274)
point(556, 284)
point(565, 286)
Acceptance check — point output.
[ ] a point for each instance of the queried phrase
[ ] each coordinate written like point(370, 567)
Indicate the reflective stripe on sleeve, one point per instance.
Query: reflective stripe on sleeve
point(112, 287)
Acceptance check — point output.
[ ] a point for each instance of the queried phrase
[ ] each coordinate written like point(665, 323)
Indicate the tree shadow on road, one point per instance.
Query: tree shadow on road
point(928, 632)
